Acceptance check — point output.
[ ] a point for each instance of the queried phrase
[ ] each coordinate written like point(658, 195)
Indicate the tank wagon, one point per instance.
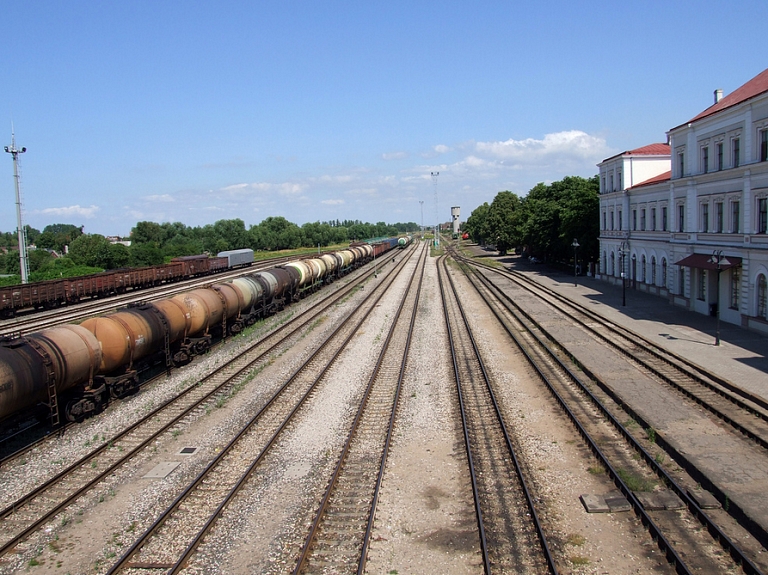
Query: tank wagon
point(55, 293)
point(74, 369)
point(404, 241)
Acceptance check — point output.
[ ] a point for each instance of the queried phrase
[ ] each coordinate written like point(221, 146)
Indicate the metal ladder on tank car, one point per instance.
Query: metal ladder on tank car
point(53, 397)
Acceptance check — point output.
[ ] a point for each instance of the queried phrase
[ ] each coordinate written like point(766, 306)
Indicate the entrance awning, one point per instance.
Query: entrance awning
point(704, 262)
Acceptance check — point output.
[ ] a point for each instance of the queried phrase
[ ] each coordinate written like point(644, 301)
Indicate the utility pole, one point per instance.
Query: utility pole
point(437, 211)
point(24, 263)
point(422, 218)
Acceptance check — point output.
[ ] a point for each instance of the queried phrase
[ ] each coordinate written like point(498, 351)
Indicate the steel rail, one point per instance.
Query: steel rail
point(123, 561)
point(736, 554)
point(518, 468)
point(295, 324)
point(307, 548)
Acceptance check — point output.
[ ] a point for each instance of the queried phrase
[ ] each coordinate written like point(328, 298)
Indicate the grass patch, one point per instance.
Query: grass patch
point(579, 560)
point(636, 482)
point(651, 434)
point(596, 469)
point(575, 539)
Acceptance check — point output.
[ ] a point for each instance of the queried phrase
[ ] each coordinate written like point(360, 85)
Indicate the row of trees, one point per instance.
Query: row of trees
point(545, 222)
point(153, 243)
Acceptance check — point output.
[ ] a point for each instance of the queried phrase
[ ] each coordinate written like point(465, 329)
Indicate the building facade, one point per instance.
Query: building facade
point(696, 230)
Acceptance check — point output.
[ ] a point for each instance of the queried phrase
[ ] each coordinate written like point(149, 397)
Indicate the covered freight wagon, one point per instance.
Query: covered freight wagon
point(236, 258)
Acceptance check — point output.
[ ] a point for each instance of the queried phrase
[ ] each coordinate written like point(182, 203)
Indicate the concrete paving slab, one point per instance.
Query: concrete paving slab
point(162, 470)
point(659, 500)
point(704, 499)
point(594, 503)
point(616, 502)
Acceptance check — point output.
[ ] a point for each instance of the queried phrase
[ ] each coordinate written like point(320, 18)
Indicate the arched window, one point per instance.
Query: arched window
point(762, 297)
point(664, 272)
point(653, 270)
point(681, 275)
point(605, 263)
point(613, 264)
point(643, 269)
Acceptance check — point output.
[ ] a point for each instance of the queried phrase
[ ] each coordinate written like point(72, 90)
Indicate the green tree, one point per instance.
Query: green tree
point(90, 250)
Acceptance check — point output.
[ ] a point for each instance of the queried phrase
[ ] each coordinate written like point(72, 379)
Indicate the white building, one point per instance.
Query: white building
point(711, 204)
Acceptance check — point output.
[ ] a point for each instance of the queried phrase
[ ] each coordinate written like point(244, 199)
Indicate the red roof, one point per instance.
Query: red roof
point(649, 150)
point(756, 86)
point(666, 176)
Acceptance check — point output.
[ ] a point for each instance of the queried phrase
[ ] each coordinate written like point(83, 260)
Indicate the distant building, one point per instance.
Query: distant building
point(709, 205)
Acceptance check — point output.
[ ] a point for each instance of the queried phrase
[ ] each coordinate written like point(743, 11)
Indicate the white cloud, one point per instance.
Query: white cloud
point(441, 149)
point(332, 202)
point(160, 198)
point(394, 156)
point(291, 189)
point(70, 211)
point(566, 145)
point(234, 187)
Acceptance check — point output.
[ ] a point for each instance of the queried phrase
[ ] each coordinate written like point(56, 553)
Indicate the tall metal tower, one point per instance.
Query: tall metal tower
point(437, 211)
point(24, 263)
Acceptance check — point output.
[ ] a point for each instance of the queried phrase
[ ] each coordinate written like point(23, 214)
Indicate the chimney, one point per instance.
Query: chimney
point(718, 95)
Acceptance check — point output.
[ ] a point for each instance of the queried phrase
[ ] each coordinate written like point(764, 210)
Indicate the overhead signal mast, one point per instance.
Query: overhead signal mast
point(437, 211)
point(24, 263)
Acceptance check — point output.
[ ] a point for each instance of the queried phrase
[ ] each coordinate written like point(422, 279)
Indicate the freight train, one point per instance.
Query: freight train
point(55, 293)
point(404, 241)
point(73, 370)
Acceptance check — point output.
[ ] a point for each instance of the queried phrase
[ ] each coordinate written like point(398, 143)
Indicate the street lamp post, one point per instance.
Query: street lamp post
point(575, 246)
point(624, 251)
point(719, 260)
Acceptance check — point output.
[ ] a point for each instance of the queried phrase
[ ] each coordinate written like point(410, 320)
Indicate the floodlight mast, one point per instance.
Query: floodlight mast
point(23, 262)
point(437, 211)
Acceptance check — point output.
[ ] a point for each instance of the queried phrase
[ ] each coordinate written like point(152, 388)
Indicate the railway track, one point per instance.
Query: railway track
point(171, 541)
point(340, 533)
point(512, 537)
point(22, 517)
point(598, 420)
point(744, 411)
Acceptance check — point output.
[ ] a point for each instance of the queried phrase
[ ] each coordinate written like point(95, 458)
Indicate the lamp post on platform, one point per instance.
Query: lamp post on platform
point(624, 250)
point(719, 260)
point(575, 246)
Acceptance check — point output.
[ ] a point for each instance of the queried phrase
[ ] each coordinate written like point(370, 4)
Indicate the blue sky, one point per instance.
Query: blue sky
point(199, 111)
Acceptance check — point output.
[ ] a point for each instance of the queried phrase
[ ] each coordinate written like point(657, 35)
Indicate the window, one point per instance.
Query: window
point(612, 228)
point(620, 220)
point(701, 293)
point(642, 219)
point(763, 145)
point(664, 219)
point(613, 263)
point(653, 270)
point(604, 221)
point(643, 270)
point(762, 215)
point(634, 220)
point(681, 218)
point(704, 218)
point(653, 219)
point(735, 224)
point(719, 152)
point(664, 272)
point(735, 288)
point(621, 182)
point(612, 188)
point(735, 152)
point(705, 159)
point(681, 163)
point(719, 217)
point(762, 297)
point(604, 188)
